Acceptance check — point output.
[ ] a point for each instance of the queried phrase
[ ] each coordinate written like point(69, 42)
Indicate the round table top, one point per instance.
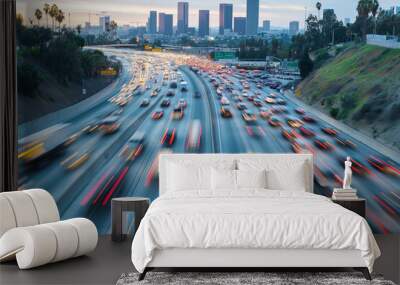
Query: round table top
point(130, 199)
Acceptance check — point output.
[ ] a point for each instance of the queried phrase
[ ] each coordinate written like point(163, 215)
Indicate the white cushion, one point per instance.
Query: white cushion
point(184, 178)
point(223, 179)
point(251, 179)
point(289, 175)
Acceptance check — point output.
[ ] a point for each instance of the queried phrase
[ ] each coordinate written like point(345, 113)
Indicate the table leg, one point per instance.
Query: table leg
point(116, 222)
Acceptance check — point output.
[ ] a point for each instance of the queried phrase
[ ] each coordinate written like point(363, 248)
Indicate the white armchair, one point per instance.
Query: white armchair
point(31, 231)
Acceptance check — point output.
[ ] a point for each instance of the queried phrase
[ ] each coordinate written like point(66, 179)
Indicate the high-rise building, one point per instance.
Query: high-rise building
point(152, 23)
point(104, 23)
point(204, 23)
point(293, 28)
point(266, 26)
point(183, 17)
point(225, 17)
point(239, 25)
point(397, 10)
point(252, 12)
point(165, 24)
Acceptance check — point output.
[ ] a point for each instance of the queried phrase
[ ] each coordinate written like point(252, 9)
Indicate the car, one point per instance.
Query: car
point(154, 93)
point(298, 147)
point(306, 132)
point(173, 85)
point(265, 113)
point(382, 166)
point(224, 101)
point(241, 106)
point(257, 103)
point(248, 116)
point(238, 98)
point(342, 141)
point(165, 103)
point(323, 144)
point(169, 137)
point(329, 131)
point(75, 160)
point(170, 93)
point(145, 103)
point(299, 111)
point(109, 125)
point(281, 101)
point(184, 86)
point(255, 131)
point(197, 94)
point(288, 134)
point(158, 114)
point(308, 119)
point(274, 122)
point(193, 139)
point(182, 103)
point(134, 147)
point(270, 100)
point(225, 112)
point(177, 113)
point(294, 123)
point(250, 98)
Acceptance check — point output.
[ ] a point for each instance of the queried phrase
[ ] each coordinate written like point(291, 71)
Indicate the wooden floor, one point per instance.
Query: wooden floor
point(103, 266)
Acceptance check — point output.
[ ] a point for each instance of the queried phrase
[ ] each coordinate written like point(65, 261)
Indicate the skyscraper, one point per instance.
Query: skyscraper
point(225, 17)
point(293, 28)
point(183, 17)
point(204, 23)
point(104, 23)
point(152, 23)
point(252, 11)
point(266, 26)
point(165, 24)
point(240, 25)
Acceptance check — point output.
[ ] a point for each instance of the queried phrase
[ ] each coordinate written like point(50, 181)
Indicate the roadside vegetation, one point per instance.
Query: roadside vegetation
point(53, 68)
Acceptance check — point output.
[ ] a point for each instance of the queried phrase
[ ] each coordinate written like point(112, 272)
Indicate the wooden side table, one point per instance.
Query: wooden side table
point(138, 205)
point(357, 206)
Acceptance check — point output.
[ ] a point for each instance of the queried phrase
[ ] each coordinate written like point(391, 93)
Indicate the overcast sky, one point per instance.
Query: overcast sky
point(135, 12)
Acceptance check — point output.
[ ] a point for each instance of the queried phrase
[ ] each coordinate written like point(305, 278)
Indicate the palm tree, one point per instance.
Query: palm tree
point(38, 15)
point(53, 14)
point(60, 18)
point(374, 11)
point(364, 8)
point(318, 6)
point(46, 10)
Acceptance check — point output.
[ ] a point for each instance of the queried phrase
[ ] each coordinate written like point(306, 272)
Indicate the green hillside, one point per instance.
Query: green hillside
point(360, 86)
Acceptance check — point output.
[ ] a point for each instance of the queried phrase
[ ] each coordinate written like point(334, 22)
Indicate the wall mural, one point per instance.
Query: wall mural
point(101, 96)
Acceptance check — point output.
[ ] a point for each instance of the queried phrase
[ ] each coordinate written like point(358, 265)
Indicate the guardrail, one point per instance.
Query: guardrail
point(383, 41)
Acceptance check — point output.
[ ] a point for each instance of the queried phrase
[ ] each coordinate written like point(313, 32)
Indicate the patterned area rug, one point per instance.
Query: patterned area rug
point(244, 278)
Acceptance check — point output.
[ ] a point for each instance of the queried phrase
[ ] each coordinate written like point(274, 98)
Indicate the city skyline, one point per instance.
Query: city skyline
point(136, 12)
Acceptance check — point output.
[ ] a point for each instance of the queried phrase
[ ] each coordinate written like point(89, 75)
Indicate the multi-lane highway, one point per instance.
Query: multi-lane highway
point(102, 160)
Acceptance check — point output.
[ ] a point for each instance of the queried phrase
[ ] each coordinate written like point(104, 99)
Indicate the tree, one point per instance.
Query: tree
point(38, 15)
point(306, 65)
point(364, 8)
point(60, 18)
point(46, 9)
point(318, 6)
point(53, 14)
point(374, 11)
point(79, 29)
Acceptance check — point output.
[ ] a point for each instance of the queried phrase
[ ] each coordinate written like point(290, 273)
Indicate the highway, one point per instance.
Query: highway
point(103, 171)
